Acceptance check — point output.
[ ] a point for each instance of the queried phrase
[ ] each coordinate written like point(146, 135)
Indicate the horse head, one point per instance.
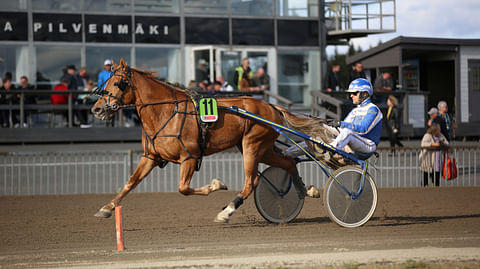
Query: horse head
point(118, 92)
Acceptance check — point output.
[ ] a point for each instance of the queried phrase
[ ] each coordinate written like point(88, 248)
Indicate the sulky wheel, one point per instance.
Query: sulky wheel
point(342, 208)
point(275, 196)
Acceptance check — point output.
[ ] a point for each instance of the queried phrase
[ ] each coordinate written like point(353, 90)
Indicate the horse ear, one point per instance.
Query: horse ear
point(122, 62)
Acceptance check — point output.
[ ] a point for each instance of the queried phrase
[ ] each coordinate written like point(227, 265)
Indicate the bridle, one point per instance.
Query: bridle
point(108, 97)
point(124, 83)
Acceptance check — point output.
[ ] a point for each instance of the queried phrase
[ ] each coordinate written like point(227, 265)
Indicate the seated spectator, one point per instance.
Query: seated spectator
point(225, 86)
point(86, 99)
point(29, 98)
point(244, 84)
point(7, 99)
point(260, 81)
point(61, 99)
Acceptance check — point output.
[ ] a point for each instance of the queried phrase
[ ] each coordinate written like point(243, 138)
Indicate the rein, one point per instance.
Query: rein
point(150, 138)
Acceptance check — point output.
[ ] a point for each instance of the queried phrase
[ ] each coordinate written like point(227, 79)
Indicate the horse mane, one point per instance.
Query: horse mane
point(151, 75)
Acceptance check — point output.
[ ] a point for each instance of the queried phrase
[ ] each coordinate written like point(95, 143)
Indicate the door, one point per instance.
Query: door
point(473, 90)
point(229, 59)
point(202, 66)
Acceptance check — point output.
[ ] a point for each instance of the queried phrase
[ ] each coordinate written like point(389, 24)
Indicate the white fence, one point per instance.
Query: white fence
point(83, 172)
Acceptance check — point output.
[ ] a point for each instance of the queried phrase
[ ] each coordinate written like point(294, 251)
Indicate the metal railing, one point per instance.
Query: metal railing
point(81, 172)
point(43, 106)
point(360, 16)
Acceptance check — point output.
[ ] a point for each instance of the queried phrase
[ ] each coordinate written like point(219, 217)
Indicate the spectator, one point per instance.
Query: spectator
point(217, 86)
point(201, 72)
point(448, 118)
point(260, 81)
point(82, 78)
point(29, 98)
point(244, 84)
point(357, 72)
point(334, 81)
point(86, 99)
point(431, 160)
point(393, 123)
point(434, 118)
point(7, 99)
point(105, 74)
point(383, 83)
point(192, 84)
point(61, 99)
point(225, 86)
point(71, 75)
point(242, 72)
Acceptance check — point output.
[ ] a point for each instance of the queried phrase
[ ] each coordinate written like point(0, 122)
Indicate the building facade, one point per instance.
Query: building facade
point(38, 38)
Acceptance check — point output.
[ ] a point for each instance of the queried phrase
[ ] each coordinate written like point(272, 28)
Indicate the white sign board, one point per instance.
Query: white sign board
point(416, 111)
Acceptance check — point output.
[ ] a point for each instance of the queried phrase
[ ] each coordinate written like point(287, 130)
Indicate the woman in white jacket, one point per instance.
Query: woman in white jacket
point(431, 159)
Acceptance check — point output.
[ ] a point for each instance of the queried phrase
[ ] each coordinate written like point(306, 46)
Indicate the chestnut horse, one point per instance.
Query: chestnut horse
point(171, 133)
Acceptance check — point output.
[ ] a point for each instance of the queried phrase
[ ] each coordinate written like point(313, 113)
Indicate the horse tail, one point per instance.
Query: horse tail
point(312, 126)
point(317, 128)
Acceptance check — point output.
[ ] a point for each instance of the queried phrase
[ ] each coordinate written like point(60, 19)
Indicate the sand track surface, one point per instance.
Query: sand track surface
point(171, 230)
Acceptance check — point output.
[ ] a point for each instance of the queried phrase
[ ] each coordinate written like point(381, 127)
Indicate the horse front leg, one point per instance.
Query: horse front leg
point(143, 169)
point(251, 180)
point(187, 168)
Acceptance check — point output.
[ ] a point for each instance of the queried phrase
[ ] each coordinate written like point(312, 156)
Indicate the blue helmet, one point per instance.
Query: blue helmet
point(361, 85)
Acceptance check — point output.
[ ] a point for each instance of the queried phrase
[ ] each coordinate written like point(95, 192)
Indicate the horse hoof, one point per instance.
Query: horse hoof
point(313, 192)
point(103, 213)
point(217, 184)
point(220, 220)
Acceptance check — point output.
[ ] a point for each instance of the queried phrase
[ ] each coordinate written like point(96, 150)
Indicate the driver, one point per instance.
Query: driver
point(362, 127)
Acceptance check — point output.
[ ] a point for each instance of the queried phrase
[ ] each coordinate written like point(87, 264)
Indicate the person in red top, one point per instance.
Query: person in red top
point(59, 99)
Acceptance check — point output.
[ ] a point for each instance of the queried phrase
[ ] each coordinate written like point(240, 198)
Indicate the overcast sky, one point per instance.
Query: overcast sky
point(429, 18)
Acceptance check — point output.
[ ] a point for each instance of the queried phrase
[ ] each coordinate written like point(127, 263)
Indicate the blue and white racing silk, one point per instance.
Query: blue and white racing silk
point(365, 120)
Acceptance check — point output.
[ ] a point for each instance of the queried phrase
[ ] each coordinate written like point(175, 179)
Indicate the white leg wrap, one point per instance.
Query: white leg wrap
point(225, 214)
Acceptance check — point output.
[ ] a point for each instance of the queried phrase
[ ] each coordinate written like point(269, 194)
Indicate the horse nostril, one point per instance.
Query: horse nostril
point(96, 110)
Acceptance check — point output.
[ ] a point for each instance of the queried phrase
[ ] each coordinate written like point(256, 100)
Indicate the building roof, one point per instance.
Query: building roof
point(418, 41)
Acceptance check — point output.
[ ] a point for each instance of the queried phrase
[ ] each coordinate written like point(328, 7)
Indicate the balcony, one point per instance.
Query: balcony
point(347, 19)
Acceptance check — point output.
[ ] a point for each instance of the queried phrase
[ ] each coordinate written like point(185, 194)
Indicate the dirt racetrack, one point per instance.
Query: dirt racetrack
point(439, 225)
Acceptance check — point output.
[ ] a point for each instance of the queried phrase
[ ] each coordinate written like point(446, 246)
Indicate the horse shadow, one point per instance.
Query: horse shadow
point(406, 220)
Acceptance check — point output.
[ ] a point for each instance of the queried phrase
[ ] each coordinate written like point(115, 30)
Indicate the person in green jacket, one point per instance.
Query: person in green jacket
point(239, 73)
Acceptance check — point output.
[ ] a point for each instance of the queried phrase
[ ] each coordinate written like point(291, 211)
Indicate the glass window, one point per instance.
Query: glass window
point(15, 61)
point(252, 7)
point(62, 5)
point(157, 6)
point(108, 28)
point(14, 4)
point(298, 74)
point(13, 26)
point(165, 61)
point(52, 60)
point(297, 8)
point(206, 7)
point(57, 27)
point(150, 29)
point(108, 5)
point(252, 32)
point(206, 31)
point(297, 33)
point(95, 56)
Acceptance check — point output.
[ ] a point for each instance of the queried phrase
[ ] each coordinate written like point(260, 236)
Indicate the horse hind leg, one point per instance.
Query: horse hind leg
point(251, 180)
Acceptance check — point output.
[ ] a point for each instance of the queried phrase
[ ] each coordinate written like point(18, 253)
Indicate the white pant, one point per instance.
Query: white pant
point(354, 140)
